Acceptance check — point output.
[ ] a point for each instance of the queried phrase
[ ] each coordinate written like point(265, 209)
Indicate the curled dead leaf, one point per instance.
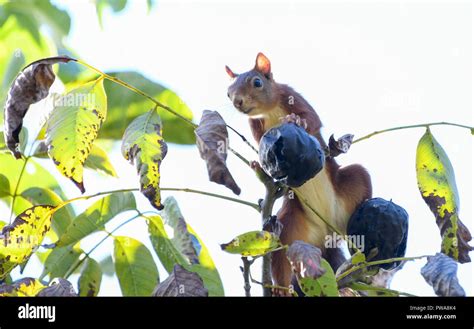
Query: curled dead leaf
point(30, 86)
point(339, 146)
point(441, 273)
point(212, 140)
point(305, 260)
point(181, 283)
point(59, 287)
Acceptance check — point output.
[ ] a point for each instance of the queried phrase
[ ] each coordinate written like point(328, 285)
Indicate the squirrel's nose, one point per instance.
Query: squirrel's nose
point(238, 101)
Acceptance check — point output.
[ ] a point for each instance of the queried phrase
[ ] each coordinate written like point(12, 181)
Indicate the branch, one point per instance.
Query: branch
point(421, 125)
point(377, 262)
point(246, 273)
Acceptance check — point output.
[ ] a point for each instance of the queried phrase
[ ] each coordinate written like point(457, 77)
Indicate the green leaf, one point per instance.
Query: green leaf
point(4, 186)
point(34, 175)
point(62, 218)
point(96, 216)
point(26, 287)
point(167, 251)
point(357, 258)
point(99, 160)
point(124, 106)
point(60, 261)
point(437, 184)
point(254, 243)
point(326, 285)
point(143, 145)
point(90, 279)
point(20, 239)
point(135, 267)
point(73, 127)
point(185, 248)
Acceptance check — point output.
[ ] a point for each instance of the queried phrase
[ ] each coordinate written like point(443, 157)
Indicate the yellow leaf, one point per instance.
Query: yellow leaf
point(73, 127)
point(20, 239)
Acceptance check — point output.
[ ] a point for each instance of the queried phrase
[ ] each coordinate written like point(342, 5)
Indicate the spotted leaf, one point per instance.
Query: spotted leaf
point(255, 243)
point(26, 287)
point(73, 127)
point(90, 279)
point(143, 145)
point(437, 185)
point(20, 239)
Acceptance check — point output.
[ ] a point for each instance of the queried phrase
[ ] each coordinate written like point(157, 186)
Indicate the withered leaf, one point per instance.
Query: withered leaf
point(25, 287)
point(211, 139)
point(437, 185)
point(339, 146)
point(30, 86)
point(59, 287)
point(441, 273)
point(181, 283)
point(305, 260)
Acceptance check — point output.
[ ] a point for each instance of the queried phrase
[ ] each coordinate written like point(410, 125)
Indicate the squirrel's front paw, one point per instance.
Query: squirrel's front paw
point(296, 119)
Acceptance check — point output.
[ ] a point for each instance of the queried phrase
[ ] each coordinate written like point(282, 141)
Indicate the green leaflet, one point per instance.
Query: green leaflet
point(185, 248)
point(90, 279)
point(135, 267)
point(62, 218)
point(143, 145)
point(73, 127)
point(4, 186)
point(20, 239)
point(96, 216)
point(175, 130)
point(326, 285)
point(254, 243)
point(60, 261)
point(437, 184)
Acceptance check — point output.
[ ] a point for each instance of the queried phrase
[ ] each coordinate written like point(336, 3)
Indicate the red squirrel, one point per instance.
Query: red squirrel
point(335, 192)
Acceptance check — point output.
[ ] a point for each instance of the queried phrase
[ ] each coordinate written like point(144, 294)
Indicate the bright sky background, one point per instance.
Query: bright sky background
point(363, 66)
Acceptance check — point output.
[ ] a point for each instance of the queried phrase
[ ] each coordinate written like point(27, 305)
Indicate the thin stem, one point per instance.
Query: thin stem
point(157, 103)
point(377, 262)
point(87, 254)
point(86, 197)
point(325, 221)
point(246, 273)
point(136, 90)
point(243, 138)
point(421, 125)
point(219, 196)
point(15, 193)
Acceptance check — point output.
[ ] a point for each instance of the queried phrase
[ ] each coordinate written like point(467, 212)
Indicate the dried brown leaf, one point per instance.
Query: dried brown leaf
point(30, 86)
point(339, 146)
point(59, 287)
point(181, 283)
point(305, 260)
point(211, 139)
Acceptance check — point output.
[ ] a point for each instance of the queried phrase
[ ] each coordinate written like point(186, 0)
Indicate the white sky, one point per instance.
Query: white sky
point(363, 66)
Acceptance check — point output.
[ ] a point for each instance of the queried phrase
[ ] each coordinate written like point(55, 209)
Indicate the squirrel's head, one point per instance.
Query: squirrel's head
point(253, 92)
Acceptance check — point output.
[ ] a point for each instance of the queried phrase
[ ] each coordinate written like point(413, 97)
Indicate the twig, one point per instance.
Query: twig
point(243, 138)
point(273, 191)
point(425, 125)
point(246, 273)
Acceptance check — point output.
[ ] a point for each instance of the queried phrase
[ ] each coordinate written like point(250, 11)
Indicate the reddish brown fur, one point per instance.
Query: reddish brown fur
point(352, 183)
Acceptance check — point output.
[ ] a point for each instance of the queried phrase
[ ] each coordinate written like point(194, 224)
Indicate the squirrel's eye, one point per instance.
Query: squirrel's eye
point(257, 83)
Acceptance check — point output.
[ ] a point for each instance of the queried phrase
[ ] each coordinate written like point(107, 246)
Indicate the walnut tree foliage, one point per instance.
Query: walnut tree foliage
point(145, 118)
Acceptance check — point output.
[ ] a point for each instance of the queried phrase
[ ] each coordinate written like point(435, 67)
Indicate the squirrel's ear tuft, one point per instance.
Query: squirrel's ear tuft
point(230, 73)
point(262, 64)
